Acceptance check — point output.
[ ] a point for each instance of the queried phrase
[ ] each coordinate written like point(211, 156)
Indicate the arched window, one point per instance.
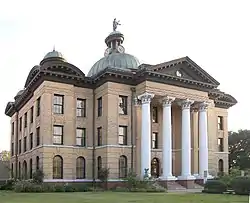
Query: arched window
point(99, 165)
point(57, 167)
point(31, 172)
point(123, 167)
point(37, 163)
point(155, 168)
point(221, 166)
point(80, 168)
point(25, 175)
point(19, 170)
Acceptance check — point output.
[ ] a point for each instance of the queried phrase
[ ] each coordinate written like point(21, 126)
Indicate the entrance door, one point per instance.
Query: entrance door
point(155, 168)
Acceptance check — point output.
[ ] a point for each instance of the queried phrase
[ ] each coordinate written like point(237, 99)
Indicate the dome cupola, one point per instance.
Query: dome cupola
point(53, 55)
point(115, 56)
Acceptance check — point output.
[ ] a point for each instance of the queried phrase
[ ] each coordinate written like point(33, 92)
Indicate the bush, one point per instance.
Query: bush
point(215, 186)
point(38, 176)
point(241, 185)
point(8, 185)
point(31, 186)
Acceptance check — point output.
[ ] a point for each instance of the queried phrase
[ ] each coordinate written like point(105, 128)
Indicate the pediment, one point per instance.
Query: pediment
point(185, 68)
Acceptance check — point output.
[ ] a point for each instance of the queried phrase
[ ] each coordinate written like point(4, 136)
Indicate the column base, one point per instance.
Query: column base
point(167, 178)
point(186, 177)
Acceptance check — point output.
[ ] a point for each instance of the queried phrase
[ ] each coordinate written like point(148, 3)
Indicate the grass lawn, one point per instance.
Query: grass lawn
point(109, 197)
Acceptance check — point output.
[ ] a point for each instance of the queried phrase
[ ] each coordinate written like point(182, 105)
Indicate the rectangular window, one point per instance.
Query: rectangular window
point(31, 140)
point(58, 104)
point(220, 123)
point(38, 136)
point(38, 106)
point(81, 137)
point(57, 135)
point(12, 149)
point(25, 144)
point(20, 146)
point(155, 115)
point(20, 124)
point(220, 145)
point(123, 105)
point(154, 144)
point(12, 128)
point(99, 136)
point(31, 114)
point(25, 120)
point(122, 139)
point(99, 106)
point(81, 107)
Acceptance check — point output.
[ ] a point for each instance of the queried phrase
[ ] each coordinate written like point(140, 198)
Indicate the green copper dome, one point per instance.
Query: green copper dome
point(54, 54)
point(121, 61)
point(115, 56)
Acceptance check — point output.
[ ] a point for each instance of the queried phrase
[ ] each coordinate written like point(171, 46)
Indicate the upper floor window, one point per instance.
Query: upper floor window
point(154, 142)
point(31, 114)
point(20, 124)
point(31, 140)
point(220, 145)
point(58, 104)
point(12, 149)
point(220, 123)
point(81, 137)
point(38, 136)
point(155, 115)
point(20, 146)
point(123, 105)
point(38, 106)
point(12, 128)
point(57, 134)
point(25, 144)
point(81, 107)
point(122, 139)
point(99, 136)
point(99, 106)
point(25, 119)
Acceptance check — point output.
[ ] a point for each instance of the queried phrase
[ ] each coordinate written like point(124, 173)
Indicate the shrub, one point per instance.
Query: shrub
point(38, 176)
point(8, 185)
point(241, 185)
point(215, 186)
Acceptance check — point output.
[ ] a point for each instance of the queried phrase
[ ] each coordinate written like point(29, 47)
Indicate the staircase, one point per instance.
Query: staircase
point(175, 186)
point(171, 185)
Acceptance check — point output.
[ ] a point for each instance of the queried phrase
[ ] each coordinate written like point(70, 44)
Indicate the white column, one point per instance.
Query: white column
point(145, 133)
point(203, 139)
point(186, 141)
point(167, 139)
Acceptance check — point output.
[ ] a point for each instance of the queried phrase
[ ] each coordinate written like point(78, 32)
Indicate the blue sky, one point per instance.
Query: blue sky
point(215, 34)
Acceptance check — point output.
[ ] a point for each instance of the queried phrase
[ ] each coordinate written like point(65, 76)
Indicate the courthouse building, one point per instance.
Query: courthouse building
point(169, 118)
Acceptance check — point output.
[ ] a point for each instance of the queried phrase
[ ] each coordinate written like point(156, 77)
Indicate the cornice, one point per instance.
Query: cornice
point(133, 78)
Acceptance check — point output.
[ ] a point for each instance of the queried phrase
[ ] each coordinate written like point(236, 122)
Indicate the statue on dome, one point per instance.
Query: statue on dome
point(115, 24)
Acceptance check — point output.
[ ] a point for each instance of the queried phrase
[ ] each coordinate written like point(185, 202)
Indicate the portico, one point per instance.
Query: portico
point(185, 106)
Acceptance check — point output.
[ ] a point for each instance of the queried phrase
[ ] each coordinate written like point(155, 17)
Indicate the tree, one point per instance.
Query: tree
point(5, 155)
point(239, 149)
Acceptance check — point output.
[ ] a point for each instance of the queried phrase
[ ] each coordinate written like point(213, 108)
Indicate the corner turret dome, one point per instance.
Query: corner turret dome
point(115, 56)
point(53, 55)
point(19, 94)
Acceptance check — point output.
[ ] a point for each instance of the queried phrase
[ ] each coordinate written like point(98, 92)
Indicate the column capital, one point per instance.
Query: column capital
point(136, 101)
point(203, 106)
point(167, 101)
point(146, 97)
point(186, 104)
